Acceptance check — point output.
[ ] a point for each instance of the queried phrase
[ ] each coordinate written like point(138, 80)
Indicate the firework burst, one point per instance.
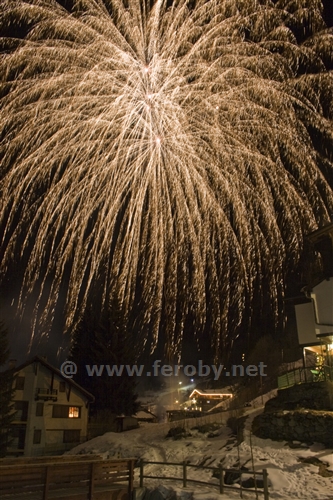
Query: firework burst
point(171, 154)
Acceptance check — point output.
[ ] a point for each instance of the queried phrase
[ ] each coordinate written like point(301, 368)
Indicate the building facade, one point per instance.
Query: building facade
point(51, 411)
point(206, 400)
point(314, 314)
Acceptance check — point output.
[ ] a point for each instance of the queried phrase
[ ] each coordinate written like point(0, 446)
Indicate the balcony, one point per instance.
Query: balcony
point(305, 375)
point(46, 394)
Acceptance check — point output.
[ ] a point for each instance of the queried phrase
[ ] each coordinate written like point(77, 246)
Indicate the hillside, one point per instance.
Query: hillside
point(293, 468)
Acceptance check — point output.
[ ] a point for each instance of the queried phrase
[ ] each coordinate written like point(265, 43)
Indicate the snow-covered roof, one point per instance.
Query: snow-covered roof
point(145, 414)
point(211, 393)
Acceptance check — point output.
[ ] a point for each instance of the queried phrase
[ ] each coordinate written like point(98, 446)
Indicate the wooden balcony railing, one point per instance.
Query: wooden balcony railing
point(46, 394)
point(66, 479)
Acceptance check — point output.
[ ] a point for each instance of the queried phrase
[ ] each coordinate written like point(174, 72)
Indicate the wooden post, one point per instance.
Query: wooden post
point(91, 481)
point(255, 484)
point(46, 483)
point(184, 475)
point(141, 473)
point(130, 478)
point(304, 363)
point(254, 473)
point(221, 478)
point(240, 483)
point(264, 476)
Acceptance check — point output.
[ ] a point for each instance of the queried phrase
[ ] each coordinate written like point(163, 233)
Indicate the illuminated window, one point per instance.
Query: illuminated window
point(74, 412)
point(64, 411)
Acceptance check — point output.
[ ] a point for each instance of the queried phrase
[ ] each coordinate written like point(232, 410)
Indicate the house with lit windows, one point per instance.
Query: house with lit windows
point(314, 314)
point(51, 411)
point(206, 400)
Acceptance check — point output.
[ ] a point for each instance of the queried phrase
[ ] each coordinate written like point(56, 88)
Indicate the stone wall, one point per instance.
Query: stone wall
point(315, 395)
point(307, 426)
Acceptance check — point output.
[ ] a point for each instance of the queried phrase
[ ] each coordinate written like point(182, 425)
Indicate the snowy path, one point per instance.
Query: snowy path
point(156, 450)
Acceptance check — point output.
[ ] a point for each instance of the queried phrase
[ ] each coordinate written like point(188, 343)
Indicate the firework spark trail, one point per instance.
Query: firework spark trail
point(163, 155)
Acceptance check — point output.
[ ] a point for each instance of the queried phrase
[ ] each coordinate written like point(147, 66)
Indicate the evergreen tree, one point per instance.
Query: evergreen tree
point(268, 351)
point(103, 341)
point(6, 392)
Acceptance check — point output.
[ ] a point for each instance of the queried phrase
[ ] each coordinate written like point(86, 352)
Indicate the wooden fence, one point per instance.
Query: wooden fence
point(219, 474)
point(53, 459)
point(63, 479)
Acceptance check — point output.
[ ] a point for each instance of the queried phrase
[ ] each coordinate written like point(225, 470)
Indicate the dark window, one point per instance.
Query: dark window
point(62, 386)
point(39, 409)
point(71, 436)
point(18, 437)
point(19, 384)
point(21, 409)
point(64, 411)
point(60, 411)
point(37, 436)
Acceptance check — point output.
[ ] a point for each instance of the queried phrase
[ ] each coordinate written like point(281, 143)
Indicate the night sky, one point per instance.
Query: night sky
point(171, 168)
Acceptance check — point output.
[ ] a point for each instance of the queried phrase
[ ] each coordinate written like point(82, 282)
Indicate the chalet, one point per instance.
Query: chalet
point(314, 315)
point(51, 411)
point(204, 400)
point(315, 331)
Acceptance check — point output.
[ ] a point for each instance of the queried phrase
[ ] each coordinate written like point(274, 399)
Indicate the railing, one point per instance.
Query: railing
point(219, 474)
point(46, 394)
point(65, 479)
point(305, 375)
point(41, 460)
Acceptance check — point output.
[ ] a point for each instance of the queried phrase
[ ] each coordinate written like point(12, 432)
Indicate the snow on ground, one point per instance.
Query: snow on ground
point(289, 478)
